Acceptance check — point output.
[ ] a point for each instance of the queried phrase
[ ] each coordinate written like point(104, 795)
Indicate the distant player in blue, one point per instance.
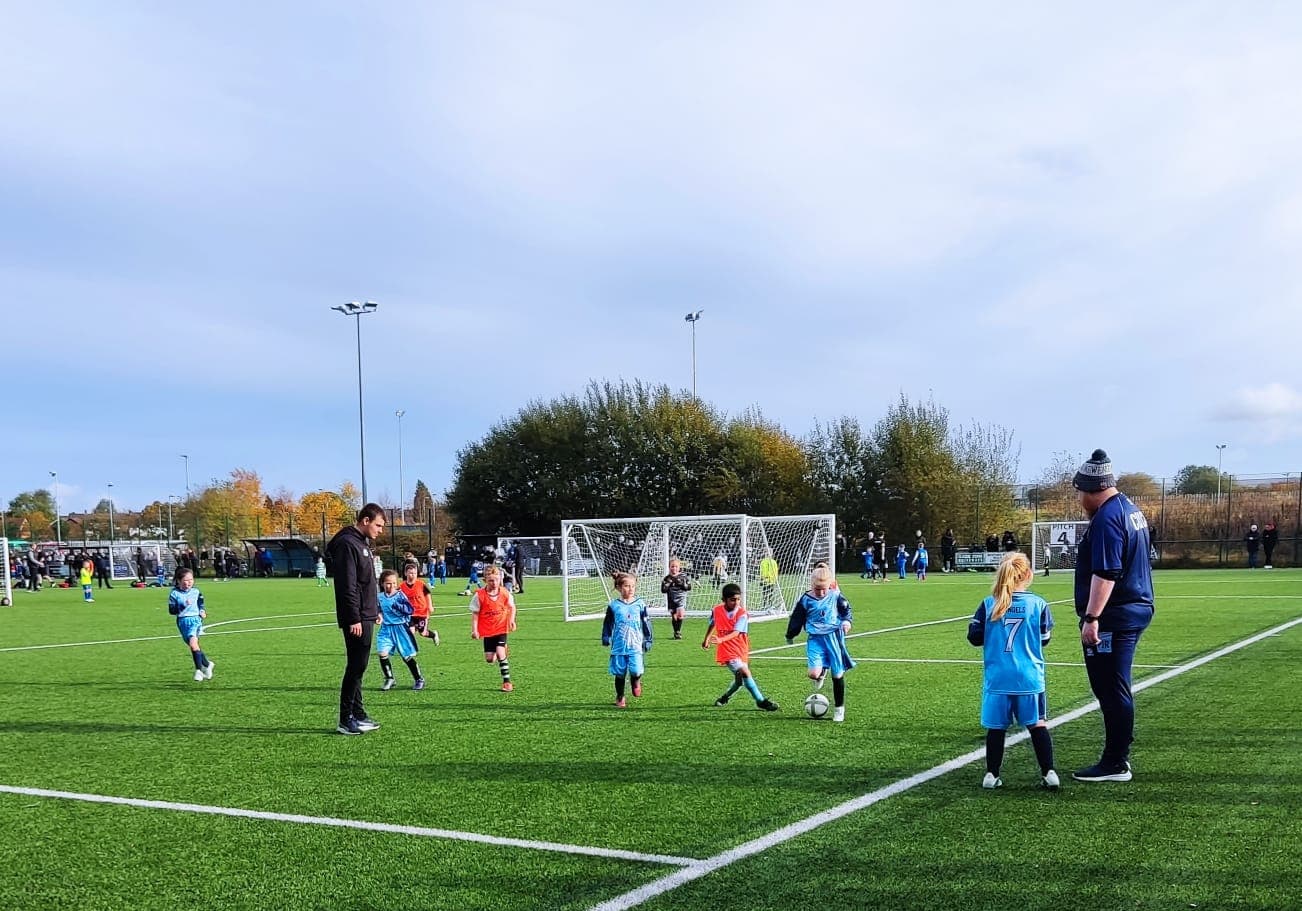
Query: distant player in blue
point(825, 616)
point(920, 561)
point(473, 583)
point(394, 634)
point(627, 630)
point(901, 561)
point(160, 575)
point(1114, 599)
point(185, 603)
point(869, 571)
point(1013, 626)
point(442, 571)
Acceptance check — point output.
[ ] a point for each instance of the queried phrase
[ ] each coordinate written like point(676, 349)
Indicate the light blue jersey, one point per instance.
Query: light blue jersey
point(626, 629)
point(823, 616)
point(184, 604)
point(1014, 644)
point(395, 609)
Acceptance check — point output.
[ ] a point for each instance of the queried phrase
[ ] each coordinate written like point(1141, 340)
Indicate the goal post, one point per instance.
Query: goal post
point(713, 550)
point(1054, 544)
point(6, 579)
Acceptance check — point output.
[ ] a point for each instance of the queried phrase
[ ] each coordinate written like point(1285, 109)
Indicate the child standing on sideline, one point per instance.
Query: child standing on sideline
point(418, 594)
point(86, 576)
point(729, 631)
point(627, 630)
point(1013, 626)
point(676, 585)
point(901, 561)
point(321, 573)
point(185, 603)
point(825, 616)
point(920, 561)
point(492, 616)
point(394, 635)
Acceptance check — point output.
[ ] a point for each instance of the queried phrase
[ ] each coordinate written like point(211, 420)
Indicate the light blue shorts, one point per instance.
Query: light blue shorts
point(189, 626)
point(1000, 710)
point(395, 638)
point(627, 664)
point(824, 652)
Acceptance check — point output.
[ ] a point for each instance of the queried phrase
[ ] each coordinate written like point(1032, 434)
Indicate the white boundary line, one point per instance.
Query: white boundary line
point(353, 824)
point(957, 661)
point(801, 827)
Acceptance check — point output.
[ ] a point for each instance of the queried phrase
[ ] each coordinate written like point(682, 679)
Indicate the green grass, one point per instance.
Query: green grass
point(1210, 819)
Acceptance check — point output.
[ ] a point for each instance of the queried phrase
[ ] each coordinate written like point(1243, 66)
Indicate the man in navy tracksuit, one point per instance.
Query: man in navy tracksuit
point(1114, 599)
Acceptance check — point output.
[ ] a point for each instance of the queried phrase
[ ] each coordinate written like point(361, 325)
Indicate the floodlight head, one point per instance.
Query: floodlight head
point(693, 317)
point(368, 306)
point(399, 413)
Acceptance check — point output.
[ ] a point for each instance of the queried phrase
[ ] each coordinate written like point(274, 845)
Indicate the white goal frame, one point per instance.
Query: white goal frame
point(1054, 544)
point(663, 537)
point(6, 579)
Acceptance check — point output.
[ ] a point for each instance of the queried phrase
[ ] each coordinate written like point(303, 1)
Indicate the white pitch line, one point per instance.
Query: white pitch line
point(871, 632)
point(956, 661)
point(801, 827)
point(331, 821)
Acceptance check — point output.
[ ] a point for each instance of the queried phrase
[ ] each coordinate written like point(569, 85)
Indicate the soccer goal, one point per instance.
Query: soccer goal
point(1053, 544)
point(122, 559)
point(6, 580)
point(714, 550)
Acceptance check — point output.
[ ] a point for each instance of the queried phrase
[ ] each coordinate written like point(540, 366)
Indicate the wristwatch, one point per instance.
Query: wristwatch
point(1089, 619)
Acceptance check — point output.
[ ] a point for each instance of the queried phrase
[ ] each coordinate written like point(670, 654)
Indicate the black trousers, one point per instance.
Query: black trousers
point(102, 577)
point(358, 652)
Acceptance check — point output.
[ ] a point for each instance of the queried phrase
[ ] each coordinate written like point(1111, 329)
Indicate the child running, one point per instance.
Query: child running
point(675, 587)
point(627, 630)
point(185, 603)
point(1013, 626)
point(86, 576)
point(418, 595)
point(394, 634)
point(492, 616)
point(825, 616)
point(729, 631)
point(321, 581)
point(473, 584)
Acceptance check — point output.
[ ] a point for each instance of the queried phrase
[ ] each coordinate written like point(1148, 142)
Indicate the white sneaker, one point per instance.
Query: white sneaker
point(822, 678)
point(1051, 780)
point(434, 634)
point(839, 713)
point(990, 782)
point(207, 672)
point(198, 676)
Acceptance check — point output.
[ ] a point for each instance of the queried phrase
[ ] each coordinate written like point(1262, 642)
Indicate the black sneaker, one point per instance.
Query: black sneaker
point(767, 705)
point(367, 724)
point(349, 727)
point(722, 700)
point(1104, 772)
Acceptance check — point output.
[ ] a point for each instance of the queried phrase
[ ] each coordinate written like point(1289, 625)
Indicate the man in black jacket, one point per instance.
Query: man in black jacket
point(1269, 538)
point(357, 605)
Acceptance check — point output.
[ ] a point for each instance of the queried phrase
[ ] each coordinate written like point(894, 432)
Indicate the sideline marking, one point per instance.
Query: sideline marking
point(871, 632)
point(957, 661)
point(353, 824)
point(703, 868)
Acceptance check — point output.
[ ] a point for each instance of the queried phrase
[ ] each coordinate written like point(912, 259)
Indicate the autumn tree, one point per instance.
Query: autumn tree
point(1200, 479)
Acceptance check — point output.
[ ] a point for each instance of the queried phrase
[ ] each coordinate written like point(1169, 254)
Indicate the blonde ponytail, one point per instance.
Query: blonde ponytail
point(1014, 572)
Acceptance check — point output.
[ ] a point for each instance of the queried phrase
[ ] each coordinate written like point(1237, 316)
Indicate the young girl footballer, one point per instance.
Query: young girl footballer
point(185, 603)
point(492, 616)
point(627, 631)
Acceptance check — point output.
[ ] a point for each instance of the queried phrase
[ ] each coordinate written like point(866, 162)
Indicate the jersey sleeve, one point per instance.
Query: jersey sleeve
point(843, 610)
point(607, 625)
point(976, 627)
point(797, 621)
point(1108, 546)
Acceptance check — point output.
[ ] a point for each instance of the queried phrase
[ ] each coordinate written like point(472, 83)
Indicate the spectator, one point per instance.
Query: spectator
point(103, 572)
point(992, 544)
point(1269, 538)
point(357, 605)
point(1009, 541)
point(1252, 541)
point(140, 566)
point(948, 550)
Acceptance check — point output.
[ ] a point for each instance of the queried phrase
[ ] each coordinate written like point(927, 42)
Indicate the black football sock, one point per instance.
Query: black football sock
point(677, 625)
point(838, 691)
point(387, 667)
point(619, 687)
point(413, 667)
point(1042, 741)
point(505, 667)
point(995, 750)
point(198, 660)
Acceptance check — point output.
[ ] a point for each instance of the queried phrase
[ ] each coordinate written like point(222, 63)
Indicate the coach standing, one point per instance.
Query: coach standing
point(356, 607)
point(1114, 599)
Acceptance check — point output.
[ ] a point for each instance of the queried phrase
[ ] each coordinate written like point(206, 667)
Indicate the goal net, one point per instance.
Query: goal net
point(714, 550)
point(122, 560)
point(6, 580)
point(1053, 544)
point(540, 556)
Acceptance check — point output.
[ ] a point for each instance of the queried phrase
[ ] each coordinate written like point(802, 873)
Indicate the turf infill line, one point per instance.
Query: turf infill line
point(703, 868)
point(330, 821)
point(871, 632)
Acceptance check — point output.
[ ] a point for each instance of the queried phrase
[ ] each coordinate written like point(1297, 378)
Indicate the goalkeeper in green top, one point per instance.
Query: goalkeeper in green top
point(768, 573)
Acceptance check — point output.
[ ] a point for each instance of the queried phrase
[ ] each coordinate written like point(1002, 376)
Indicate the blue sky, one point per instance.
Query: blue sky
point(1079, 222)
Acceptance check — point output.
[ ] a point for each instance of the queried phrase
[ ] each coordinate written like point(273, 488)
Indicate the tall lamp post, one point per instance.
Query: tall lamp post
point(1220, 450)
point(171, 529)
point(187, 476)
point(58, 526)
point(402, 504)
point(110, 502)
point(693, 318)
point(358, 310)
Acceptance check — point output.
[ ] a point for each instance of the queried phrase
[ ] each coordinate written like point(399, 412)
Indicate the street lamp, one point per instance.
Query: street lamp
point(110, 501)
point(402, 507)
point(693, 318)
point(58, 527)
point(357, 310)
point(187, 476)
point(171, 529)
point(1220, 449)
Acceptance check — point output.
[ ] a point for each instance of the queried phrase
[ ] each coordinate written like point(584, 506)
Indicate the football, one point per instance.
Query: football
point(816, 705)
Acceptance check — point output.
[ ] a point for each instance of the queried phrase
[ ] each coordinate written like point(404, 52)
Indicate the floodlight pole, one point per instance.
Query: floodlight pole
point(1220, 450)
point(356, 310)
point(110, 502)
point(58, 527)
point(171, 529)
point(187, 476)
point(402, 504)
point(693, 318)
